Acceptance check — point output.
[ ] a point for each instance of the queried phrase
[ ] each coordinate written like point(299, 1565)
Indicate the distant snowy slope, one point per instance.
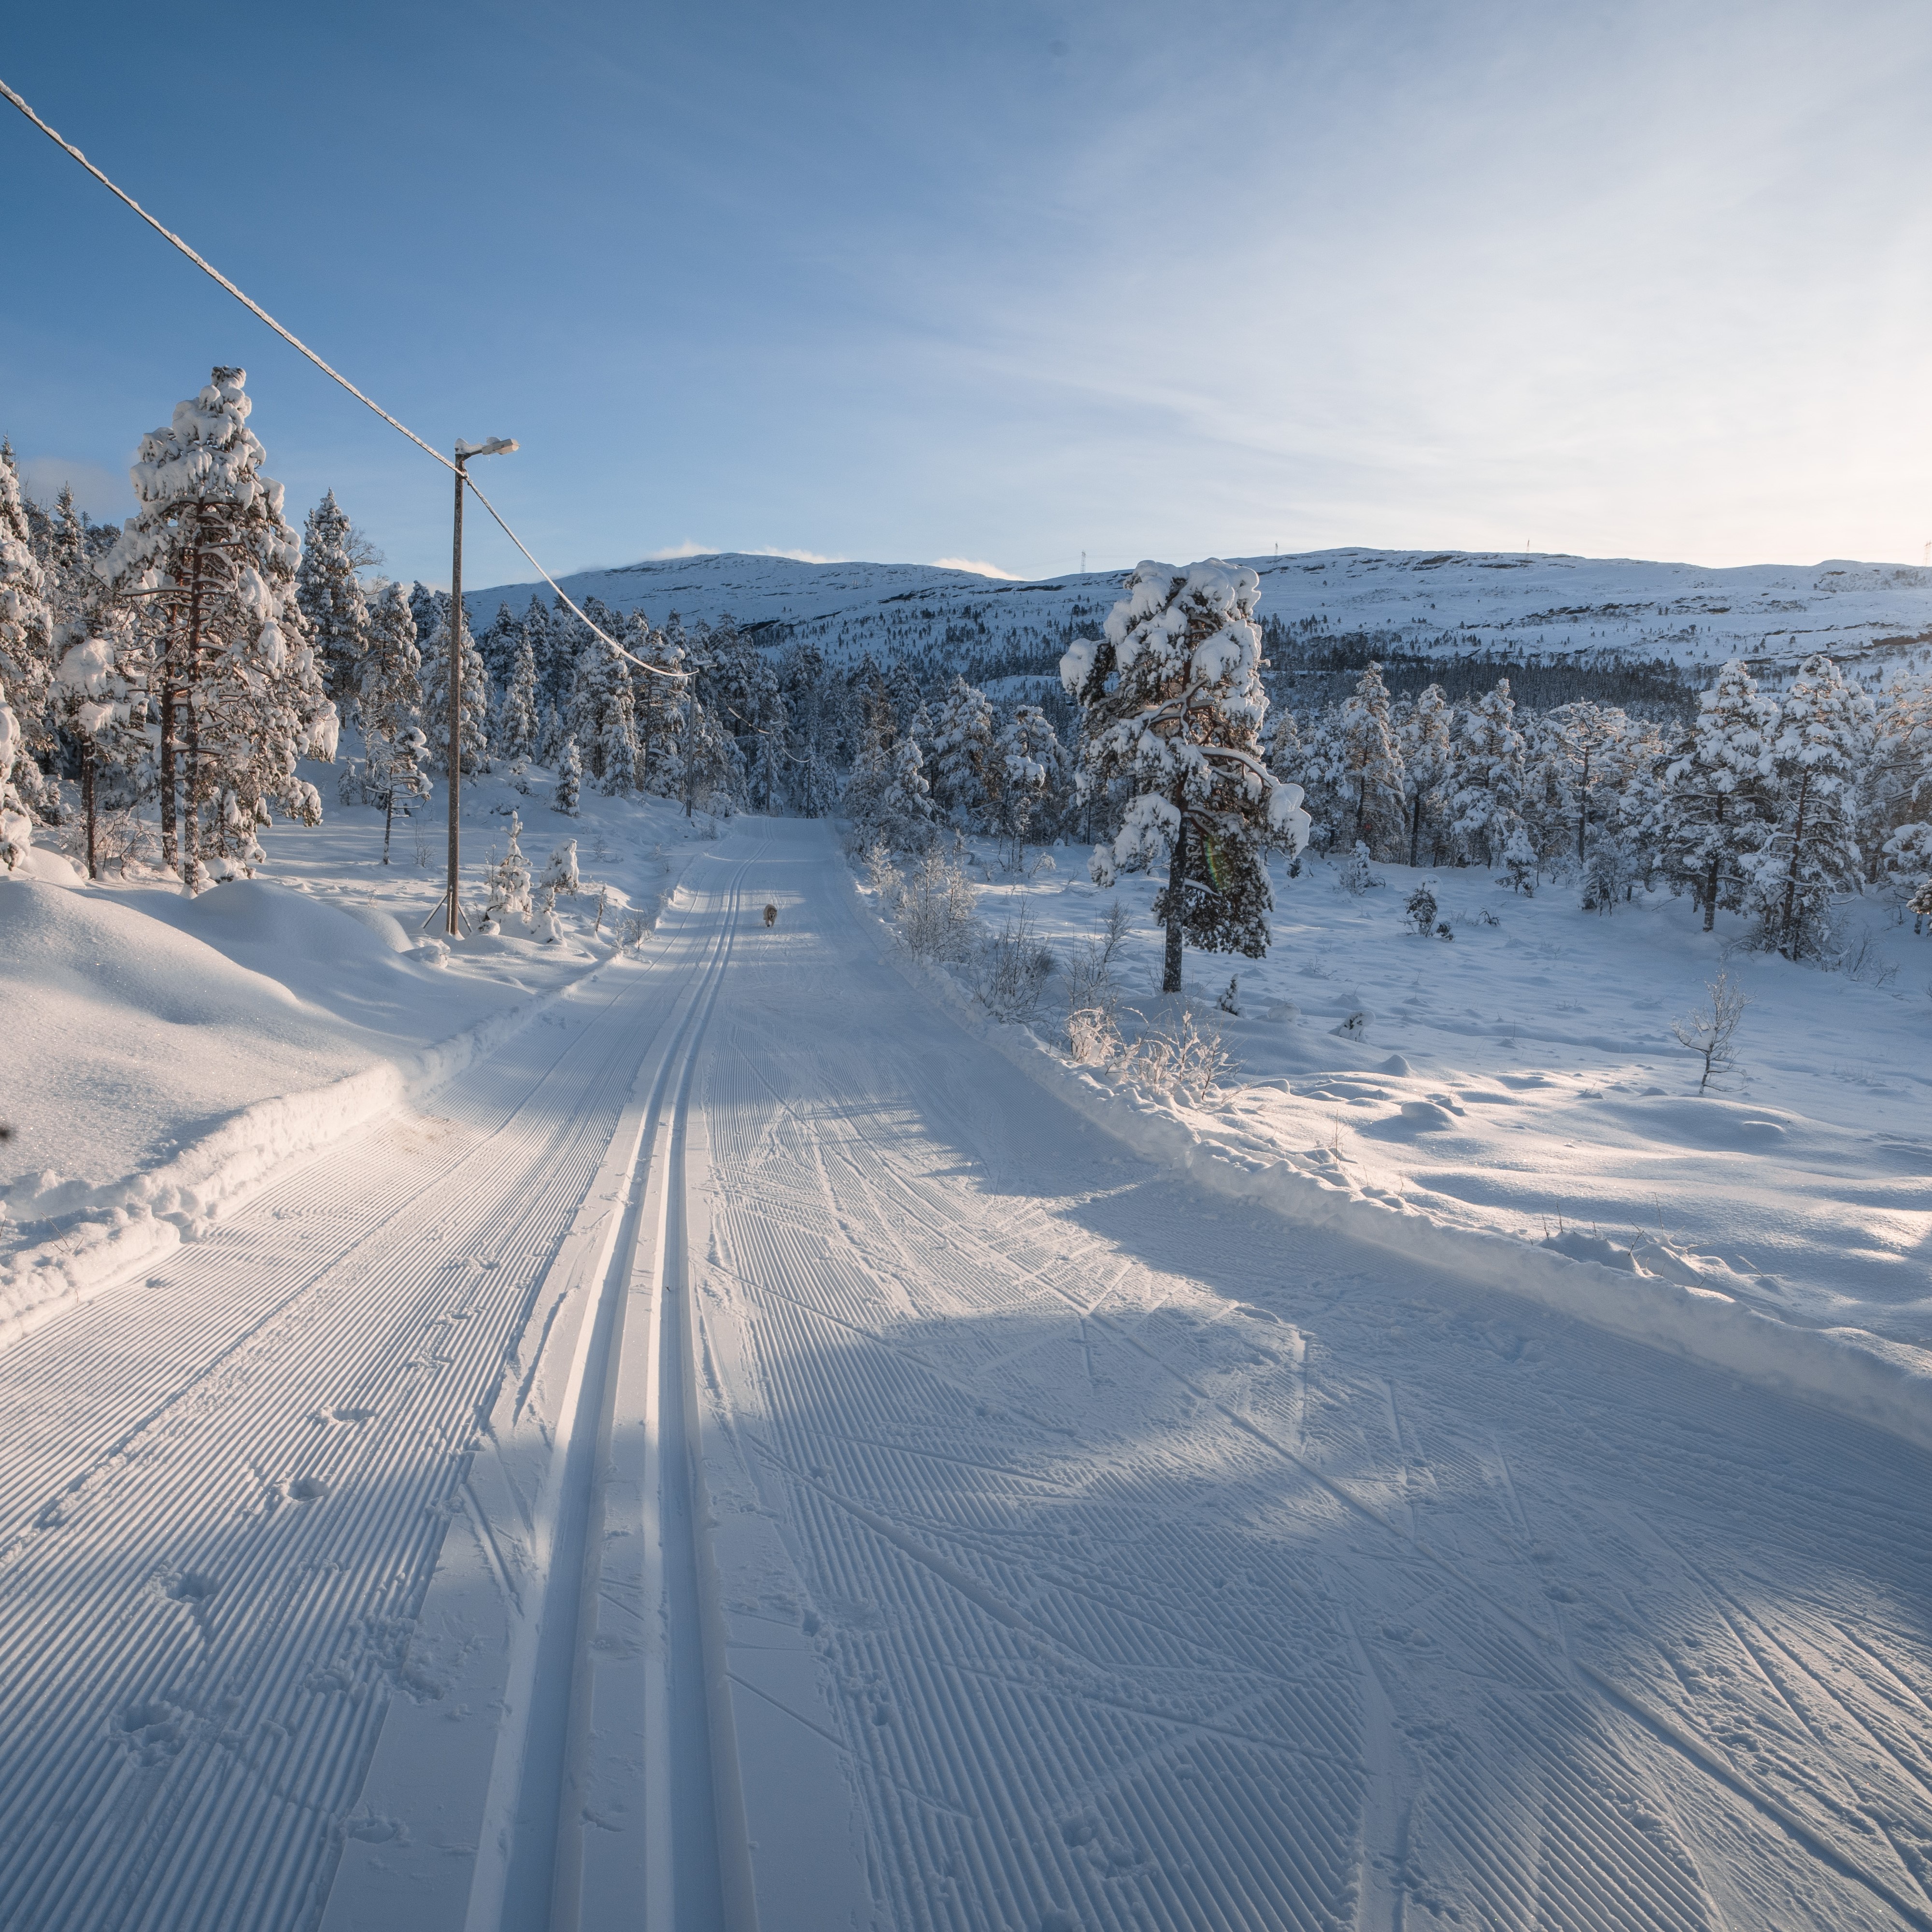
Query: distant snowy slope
point(1512, 604)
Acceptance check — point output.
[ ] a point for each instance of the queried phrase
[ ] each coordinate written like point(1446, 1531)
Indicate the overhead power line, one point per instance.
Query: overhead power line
point(295, 342)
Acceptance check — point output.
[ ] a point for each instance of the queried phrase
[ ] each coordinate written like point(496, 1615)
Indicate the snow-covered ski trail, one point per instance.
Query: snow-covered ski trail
point(1170, 1566)
point(227, 1489)
point(756, 1458)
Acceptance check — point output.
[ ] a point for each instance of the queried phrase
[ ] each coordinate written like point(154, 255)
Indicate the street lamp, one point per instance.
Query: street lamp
point(497, 446)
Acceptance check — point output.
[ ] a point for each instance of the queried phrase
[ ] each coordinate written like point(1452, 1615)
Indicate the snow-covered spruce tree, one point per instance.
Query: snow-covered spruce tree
point(1488, 804)
point(887, 798)
point(472, 698)
point(17, 828)
point(1822, 740)
point(212, 557)
point(1428, 746)
point(709, 770)
point(1906, 859)
point(390, 704)
point(26, 648)
point(499, 646)
point(1718, 806)
point(569, 779)
point(99, 696)
point(1371, 759)
point(1029, 765)
point(508, 880)
point(962, 749)
point(815, 787)
point(1173, 702)
point(332, 597)
point(516, 725)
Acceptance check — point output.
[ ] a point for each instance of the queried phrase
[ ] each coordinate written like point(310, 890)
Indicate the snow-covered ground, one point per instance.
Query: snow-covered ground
point(1523, 1077)
point(748, 1448)
point(1444, 603)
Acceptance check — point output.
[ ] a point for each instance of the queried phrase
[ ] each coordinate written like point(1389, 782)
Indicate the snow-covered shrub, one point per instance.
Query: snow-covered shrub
point(1863, 960)
point(509, 883)
point(1230, 1001)
point(1178, 1058)
point(884, 876)
point(1013, 967)
point(1484, 916)
point(1520, 858)
point(1092, 1039)
point(1356, 1026)
point(1420, 911)
point(936, 919)
point(1358, 876)
point(1090, 983)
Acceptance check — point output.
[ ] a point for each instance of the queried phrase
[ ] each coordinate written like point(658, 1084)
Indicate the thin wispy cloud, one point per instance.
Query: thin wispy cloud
point(978, 567)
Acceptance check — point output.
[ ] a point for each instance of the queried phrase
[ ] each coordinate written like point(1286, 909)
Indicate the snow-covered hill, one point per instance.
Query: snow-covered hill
point(1440, 602)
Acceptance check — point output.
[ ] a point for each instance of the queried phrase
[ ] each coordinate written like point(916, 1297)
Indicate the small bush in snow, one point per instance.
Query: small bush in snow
point(1013, 968)
point(1358, 876)
point(1092, 1039)
point(1444, 930)
point(559, 872)
point(509, 883)
point(1520, 858)
point(935, 909)
point(884, 876)
point(1090, 969)
point(1863, 961)
point(1230, 1001)
point(1356, 1026)
point(1421, 910)
point(1711, 1031)
point(1179, 1058)
point(1486, 917)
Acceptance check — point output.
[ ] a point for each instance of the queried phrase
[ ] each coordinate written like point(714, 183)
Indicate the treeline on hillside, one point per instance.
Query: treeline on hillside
point(162, 682)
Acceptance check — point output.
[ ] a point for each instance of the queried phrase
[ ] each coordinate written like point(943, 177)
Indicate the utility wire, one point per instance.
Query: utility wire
point(335, 375)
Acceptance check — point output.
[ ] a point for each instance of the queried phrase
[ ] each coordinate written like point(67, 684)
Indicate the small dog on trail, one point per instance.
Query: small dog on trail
point(771, 915)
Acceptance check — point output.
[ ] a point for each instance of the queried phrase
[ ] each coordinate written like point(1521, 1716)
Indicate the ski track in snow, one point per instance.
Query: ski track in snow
point(901, 1507)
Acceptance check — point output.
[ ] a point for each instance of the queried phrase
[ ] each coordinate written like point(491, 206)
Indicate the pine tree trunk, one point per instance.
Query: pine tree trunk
point(1361, 805)
point(1789, 935)
point(170, 833)
point(190, 828)
point(1177, 874)
point(388, 817)
point(1415, 830)
point(1583, 809)
point(1711, 895)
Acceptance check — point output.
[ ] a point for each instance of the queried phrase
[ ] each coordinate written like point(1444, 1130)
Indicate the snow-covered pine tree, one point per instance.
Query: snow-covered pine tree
point(1489, 799)
point(332, 597)
point(390, 704)
point(428, 607)
point(550, 738)
point(569, 779)
point(1428, 762)
point(1718, 805)
point(1372, 759)
point(26, 649)
point(770, 759)
point(1906, 857)
point(962, 742)
point(552, 671)
point(210, 552)
point(472, 696)
point(1173, 704)
point(516, 725)
point(1822, 740)
point(17, 828)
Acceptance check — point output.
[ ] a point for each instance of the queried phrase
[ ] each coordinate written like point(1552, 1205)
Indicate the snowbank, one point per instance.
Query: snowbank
point(1652, 1292)
point(165, 1057)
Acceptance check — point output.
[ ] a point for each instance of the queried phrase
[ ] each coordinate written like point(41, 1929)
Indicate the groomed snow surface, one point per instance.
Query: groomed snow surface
point(751, 1446)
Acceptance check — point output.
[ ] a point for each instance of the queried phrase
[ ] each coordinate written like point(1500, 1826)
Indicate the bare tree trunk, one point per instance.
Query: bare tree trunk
point(1177, 874)
point(1415, 830)
point(1583, 809)
point(1361, 805)
point(87, 803)
point(170, 833)
point(1711, 895)
point(388, 817)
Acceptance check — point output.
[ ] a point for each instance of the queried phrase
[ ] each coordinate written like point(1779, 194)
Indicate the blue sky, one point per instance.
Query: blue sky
point(1005, 282)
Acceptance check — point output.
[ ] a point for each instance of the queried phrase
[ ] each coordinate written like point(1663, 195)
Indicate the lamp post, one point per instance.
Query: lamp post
point(497, 446)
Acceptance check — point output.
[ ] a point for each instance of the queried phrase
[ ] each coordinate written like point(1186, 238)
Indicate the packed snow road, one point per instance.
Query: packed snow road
point(749, 1456)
